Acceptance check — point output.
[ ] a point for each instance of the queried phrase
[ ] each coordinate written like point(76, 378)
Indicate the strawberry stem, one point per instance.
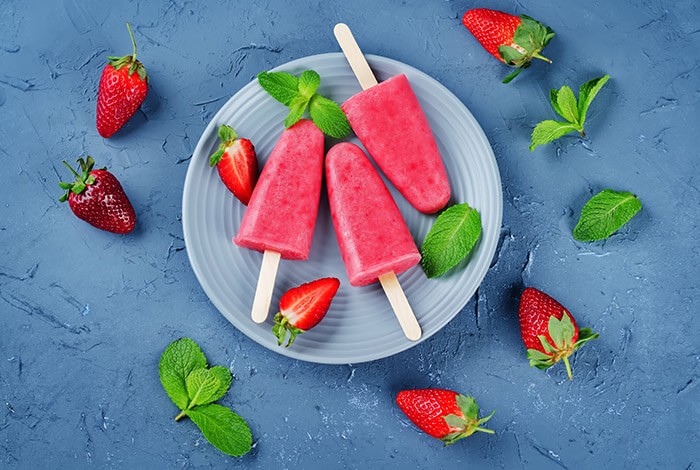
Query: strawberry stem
point(133, 41)
point(488, 431)
point(538, 56)
point(568, 367)
point(71, 169)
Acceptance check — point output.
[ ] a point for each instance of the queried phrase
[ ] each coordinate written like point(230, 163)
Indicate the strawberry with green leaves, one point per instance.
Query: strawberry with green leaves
point(97, 197)
point(122, 90)
point(442, 414)
point(301, 308)
point(237, 163)
point(513, 40)
point(549, 331)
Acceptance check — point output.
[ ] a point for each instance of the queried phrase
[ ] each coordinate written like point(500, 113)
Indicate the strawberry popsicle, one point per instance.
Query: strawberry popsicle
point(390, 123)
point(282, 212)
point(373, 237)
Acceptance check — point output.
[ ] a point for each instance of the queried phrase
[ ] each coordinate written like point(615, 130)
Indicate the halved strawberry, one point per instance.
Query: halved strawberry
point(237, 163)
point(301, 308)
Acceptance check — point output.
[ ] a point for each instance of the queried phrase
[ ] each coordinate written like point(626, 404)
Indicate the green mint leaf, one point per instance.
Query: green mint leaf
point(308, 83)
point(454, 421)
point(296, 110)
point(282, 86)
point(548, 130)
point(177, 362)
point(553, 97)
point(202, 386)
point(223, 428)
point(605, 213)
point(328, 117)
point(587, 93)
point(468, 406)
point(566, 102)
point(450, 239)
point(224, 376)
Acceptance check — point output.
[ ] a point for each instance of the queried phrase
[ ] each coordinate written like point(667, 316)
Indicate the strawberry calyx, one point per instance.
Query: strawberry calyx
point(559, 343)
point(227, 136)
point(528, 41)
point(129, 60)
point(467, 424)
point(281, 327)
point(83, 179)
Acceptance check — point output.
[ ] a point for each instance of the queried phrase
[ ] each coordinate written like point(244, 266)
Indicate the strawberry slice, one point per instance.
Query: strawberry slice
point(237, 163)
point(301, 308)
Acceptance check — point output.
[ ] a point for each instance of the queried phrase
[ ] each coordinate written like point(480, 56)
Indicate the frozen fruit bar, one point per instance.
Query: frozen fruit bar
point(282, 212)
point(390, 123)
point(372, 234)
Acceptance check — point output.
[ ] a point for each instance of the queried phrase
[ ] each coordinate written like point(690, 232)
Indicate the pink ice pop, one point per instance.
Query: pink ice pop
point(390, 123)
point(373, 237)
point(282, 212)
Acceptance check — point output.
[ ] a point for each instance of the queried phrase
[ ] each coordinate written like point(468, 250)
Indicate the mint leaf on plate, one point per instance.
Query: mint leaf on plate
point(179, 359)
point(298, 94)
point(309, 82)
point(328, 117)
point(282, 86)
point(202, 386)
point(296, 110)
point(565, 104)
point(450, 239)
point(226, 431)
point(605, 213)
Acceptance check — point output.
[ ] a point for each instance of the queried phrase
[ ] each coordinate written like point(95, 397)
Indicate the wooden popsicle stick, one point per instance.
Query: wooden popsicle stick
point(402, 309)
point(352, 52)
point(266, 284)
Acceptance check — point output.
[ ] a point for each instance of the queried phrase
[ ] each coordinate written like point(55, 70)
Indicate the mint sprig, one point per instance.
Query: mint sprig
point(573, 111)
point(605, 213)
point(298, 94)
point(193, 387)
point(450, 239)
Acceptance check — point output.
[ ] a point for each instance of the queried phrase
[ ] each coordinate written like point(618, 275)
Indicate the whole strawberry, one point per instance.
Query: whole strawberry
point(123, 87)
point(511, 39)
point(549, 331)
point(443, 414)
point(301, 308)
point(97, 198)
point(237, 163)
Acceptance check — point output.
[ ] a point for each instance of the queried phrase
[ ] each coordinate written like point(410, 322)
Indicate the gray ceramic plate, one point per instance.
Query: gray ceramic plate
point(360, 325)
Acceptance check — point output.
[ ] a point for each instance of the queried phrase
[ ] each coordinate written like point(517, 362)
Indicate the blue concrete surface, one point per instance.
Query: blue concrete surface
point(86, 314)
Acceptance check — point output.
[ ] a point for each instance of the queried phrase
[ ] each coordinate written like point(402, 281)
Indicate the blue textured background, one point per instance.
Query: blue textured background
point(86, 314)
